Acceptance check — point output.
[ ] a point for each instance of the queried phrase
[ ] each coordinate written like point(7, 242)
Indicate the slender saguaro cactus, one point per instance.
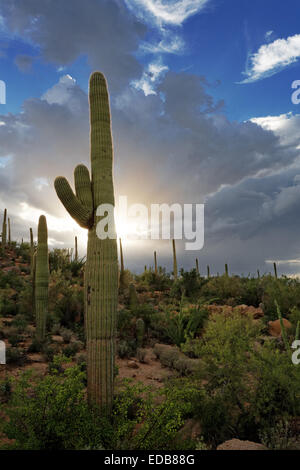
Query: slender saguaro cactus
point(4, 229)
point(155, 263)
point(122, 271)
point(76, 249)
point(174, 260)
point(31, 251)
point(9, 232)
point(140, 332)
point(208, 272)
point(275, 270)
point(101, 270)
point(258, 274)
point(197, 266)
point(41, 285)
point(226, 269)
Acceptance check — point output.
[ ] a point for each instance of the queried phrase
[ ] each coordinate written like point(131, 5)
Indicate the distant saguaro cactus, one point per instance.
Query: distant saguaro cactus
point(275, 270)
point(9, 232)
point(101, 269)
point(4, 229)
point(197, 266)
point(208, 272)
point(226, 269)
point(175, 271)
point(76, 250)
point(140, 332)
point(155, 263)
point(41, 284)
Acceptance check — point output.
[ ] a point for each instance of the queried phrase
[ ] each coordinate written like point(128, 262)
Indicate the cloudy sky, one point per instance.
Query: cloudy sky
point(201, 113)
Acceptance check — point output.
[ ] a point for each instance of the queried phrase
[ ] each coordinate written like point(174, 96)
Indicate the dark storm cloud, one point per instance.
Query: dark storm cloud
point(103, 30)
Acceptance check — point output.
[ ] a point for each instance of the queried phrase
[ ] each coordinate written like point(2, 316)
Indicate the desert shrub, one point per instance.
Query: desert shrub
point(285, 290)
point(15, 356)
point(5, 390)
point(25, 302)
point(186, 323)
point(66, 335)
point(11, 279)
point(35, 346)
point(71, 349)
point(14, 337)
point(277, 393)
point(141, 354)
point(126, 348)
point(144, 420)
point(53, 413)
point(280, 436)
point(228, 290)
point(125, 323)
point(20, 323)
point(189, 284)
point(155, 282)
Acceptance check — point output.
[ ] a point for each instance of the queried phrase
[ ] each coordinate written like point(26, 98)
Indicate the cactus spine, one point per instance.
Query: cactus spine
point(76, 250)
point(275, 270)
point(140, 332)
point(101, 270)
point(155, 263)
point(4, 229)
point(122, 271)
point(41, 284)
point(174, 260)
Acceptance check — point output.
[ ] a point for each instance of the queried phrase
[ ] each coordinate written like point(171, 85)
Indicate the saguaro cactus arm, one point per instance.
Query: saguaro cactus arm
point(77, 206)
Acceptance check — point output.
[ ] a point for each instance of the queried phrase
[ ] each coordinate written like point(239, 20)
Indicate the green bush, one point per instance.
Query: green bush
point(52, 413)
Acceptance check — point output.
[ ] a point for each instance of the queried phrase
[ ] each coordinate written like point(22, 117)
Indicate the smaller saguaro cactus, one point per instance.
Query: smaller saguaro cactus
point(226, 269)
point(122, 270)
point(155, 263)
point(4, 229)
point(275, 270)
point(9, 232)
point(208, 272)
point(133, 300)
point(140, 332)
point(197, 266)
point(41, 285)
point(258, 274)
point(76, 249)
point(175, 271)
point(31, 251)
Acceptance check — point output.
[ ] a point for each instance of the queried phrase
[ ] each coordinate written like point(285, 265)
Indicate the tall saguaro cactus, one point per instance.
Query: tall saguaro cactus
point(208, 272)
point(174, 260)
point(41, 284)
point(226, 270)
point(4, 229)
point(101, 270)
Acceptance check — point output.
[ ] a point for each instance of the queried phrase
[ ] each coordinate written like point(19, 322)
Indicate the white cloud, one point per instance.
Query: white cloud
point(151, 78)
point(173, 12)
point(273, 57)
